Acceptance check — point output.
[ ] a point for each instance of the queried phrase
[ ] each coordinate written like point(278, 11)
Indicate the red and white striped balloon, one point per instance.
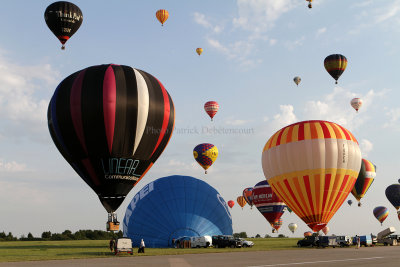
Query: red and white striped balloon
point(211, 107)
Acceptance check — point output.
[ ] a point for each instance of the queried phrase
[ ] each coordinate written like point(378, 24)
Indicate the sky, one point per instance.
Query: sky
point(252, 51)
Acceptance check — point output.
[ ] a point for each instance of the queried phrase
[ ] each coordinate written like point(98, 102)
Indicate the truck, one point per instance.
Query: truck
point(343, 240)
point(222, 241)
point(200, 241)
point(384, 237)
point(308, 241)
point(365, 240)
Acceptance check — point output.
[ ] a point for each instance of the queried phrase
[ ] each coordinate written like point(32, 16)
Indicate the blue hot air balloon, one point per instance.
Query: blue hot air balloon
point(393, 195)
point(175, 206)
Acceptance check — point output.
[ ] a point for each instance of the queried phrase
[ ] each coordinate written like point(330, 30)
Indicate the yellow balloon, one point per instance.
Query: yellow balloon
point(199, 51)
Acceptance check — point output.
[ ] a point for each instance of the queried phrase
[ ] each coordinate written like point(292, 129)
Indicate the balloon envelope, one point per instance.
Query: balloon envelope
point(393, 195)
point(365, 179)
point(248, 195)
point(267, 202)
point(211, 107)
point(231, 203)
point(278, 224)
point(335, 65)
point(175, 206)
point(205, 154)
point(292, 227)
point(199, 51)
point(162, 16)
point(312, 166)
point(381, 213)
point(349, 202)
point(241, 201)
point(297, 80)
point(111, 123)
point(356, 103)
point(63, 19)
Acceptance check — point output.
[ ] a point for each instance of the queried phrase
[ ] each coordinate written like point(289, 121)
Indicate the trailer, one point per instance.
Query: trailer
point(384, 237)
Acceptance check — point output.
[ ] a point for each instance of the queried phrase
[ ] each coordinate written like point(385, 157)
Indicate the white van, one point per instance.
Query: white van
point(200, 241)
point(123, 244)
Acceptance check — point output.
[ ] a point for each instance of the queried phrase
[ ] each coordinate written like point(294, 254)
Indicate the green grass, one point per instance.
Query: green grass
point(58, 250)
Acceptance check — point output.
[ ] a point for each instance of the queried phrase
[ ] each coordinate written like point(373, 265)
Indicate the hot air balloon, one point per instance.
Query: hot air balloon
point(364, 180)
point(199, 51)
point(297, 80)
point(309, 3)
point(241, 201)
point(231, 203)
point(248, 196)
point(349, 202)
point(292, 227)
point(162, 16)
point(393, 195)
point(312, 166)
point(267, 202)
point(205, 154)
point(111, 123)
point(211, 107)
point(309, 233)
point(325, 230)
point(398, 181)
point(175, 206)
point(278, 224)
point(381, 213)
point(63, 19)
point(335, 65)
point(356, 103)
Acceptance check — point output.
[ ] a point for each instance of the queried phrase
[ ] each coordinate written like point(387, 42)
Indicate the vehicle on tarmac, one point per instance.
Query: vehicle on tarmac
point(308, 241)
point(123, 244)
point(327, 241)
point(343, 240)
point(246, 243)
point(200, 241)
point(365, 240)
point(385, 238)
point(223, 241)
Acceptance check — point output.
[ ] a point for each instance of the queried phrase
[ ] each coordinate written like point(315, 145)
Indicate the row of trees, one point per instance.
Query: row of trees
point(66, 235)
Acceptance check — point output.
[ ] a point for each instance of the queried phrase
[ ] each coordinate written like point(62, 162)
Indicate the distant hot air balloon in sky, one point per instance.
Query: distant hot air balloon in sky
point(199, 51)
point(162, 16)
point(248, 196)
point(211, 107)
point(356, 103)
point(175, 206)
point(308, 233)
point(63, 19)
point(292, 227)
point(335, 65)
point(231, 203)
point(267, 202)
point(241, 201)
point(364, 180)
point(312, 166)
point(325, 230)
point(393, 195)
point(349, 202)
point(205, 154)
point(278, 224)
point(381, 213)
point(297, 80)
point(99, 119)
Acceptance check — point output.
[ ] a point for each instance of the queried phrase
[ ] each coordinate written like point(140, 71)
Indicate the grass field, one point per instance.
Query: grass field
point(57, 250)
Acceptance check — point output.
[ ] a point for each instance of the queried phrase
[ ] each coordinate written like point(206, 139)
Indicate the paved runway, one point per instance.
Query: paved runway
point(372, 256)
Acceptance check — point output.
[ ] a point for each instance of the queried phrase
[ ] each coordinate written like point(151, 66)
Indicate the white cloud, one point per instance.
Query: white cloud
point(293, 44)
point(366, 146)
point(394, 116)
point(320, 31)
point(285, 117)
point(272, 42)
point(20, 193)
point(22, 110)
point(260, 15)
point(236, 122)
point(205, 22)
point(11, 166)
point(387, 12)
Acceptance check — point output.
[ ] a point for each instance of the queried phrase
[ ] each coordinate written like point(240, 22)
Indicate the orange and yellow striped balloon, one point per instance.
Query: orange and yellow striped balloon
point(312, 166)
point(241, 201)
point(162, 16)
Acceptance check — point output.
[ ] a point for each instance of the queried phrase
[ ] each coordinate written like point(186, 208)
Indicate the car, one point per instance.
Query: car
point(308, 241)
point(223, 241)
point(123, 244)
point(246, 243)
point(343, 240)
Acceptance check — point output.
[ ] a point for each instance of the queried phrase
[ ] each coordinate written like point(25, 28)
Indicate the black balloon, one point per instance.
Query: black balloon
point(63, 19)
point(111, 123)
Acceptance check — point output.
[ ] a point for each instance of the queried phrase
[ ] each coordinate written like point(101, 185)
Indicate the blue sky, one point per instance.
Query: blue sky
point(252, 51)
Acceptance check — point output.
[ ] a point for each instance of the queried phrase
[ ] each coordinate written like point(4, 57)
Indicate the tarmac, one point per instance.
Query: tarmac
point(371, 256)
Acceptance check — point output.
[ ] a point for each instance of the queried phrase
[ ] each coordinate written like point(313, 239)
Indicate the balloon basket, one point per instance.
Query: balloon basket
point(112, 226)
point(62, 47)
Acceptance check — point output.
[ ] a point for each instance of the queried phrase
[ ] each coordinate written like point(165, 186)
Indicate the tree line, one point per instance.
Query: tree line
point(66, 235)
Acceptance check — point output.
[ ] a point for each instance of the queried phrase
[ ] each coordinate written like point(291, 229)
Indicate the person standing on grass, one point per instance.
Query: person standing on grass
point(141, 248)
